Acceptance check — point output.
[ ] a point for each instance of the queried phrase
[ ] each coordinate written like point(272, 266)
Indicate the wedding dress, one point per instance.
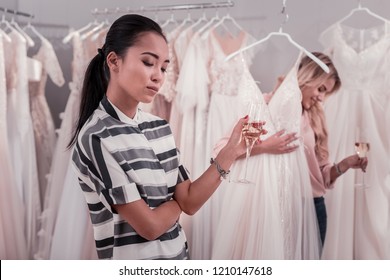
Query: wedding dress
point(357, 110)
point(275, 219)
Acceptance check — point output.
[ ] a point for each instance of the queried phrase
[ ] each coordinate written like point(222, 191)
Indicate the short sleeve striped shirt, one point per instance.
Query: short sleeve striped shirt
point(119, 160)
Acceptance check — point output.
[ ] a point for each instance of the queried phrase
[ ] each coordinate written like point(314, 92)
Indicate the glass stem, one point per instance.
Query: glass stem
point(248, 153)
point(246, 161)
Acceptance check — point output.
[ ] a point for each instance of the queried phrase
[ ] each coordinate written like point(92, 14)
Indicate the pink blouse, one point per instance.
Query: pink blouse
point(319, 170)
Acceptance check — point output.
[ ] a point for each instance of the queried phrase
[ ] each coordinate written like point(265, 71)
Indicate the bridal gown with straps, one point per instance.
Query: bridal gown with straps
point(21, 135)
point(210, 120)
point(61, 177)
point(73, 232)
point(12, 234)
point(43, 124)
point(275, 219)
point(359, 219)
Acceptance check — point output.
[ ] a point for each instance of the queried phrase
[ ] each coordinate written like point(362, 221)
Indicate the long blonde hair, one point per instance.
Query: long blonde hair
point(311, 74)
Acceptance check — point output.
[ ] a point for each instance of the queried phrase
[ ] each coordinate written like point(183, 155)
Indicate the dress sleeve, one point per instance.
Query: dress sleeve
point(52, 65)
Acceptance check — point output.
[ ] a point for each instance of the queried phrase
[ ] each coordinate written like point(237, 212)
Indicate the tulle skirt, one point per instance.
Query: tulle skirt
point(272, 219)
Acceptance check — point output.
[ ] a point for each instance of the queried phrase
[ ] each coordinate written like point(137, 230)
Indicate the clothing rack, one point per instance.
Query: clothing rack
point(31, 16)
point(166, 8)
point(48, 25)
point(15, 12)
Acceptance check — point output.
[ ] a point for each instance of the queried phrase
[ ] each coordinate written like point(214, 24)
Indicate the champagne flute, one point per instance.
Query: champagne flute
point(362, 149)
point(251, 133)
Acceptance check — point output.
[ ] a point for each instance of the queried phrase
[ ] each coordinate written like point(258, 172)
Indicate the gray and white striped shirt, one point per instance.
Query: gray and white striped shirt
point(119, 160)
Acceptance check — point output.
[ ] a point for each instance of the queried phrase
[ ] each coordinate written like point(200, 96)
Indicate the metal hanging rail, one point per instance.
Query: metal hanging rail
point(165, 8)
point(15, 12)
point(190, 6)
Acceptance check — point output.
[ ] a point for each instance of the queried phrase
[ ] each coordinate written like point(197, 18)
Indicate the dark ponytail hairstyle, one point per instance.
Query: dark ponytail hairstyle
point(123, 34)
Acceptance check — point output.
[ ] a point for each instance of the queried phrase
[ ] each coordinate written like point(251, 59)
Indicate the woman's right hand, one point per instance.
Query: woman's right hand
point(279, 143)
point(236, 143)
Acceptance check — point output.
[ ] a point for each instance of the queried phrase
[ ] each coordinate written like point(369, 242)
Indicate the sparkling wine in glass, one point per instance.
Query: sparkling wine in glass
point(251, 133)
point(362, 149)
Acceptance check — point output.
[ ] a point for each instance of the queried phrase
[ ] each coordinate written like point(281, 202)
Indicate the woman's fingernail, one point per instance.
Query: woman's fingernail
point(247, 116)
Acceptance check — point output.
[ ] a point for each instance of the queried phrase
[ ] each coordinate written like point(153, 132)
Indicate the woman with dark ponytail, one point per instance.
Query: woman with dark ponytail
point(126, 160)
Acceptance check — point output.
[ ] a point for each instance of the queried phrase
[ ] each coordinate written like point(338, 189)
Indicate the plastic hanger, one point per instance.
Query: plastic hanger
point(359, 8)
point(186, 21)
point(362, 9)
point(7, 26)
point(94, 30)
point(82, 29)
point(288, 37)
point(280, 33)
point(224, 19)
point(30, 42)
point(202, 19)
point(5, 36)
point(79, 31)
point(104, 29)
point(170, 20)
point(214, 19)
point(29, 26)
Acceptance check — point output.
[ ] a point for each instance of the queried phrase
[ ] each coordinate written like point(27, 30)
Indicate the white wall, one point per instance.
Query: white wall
point(307, 19)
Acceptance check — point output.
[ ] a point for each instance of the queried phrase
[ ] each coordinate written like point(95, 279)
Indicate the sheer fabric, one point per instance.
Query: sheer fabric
point(61, 157)
point(209, 118)
point(42, 120)
point(12, 216)
point(69, 242)
point(276, 218)
point(356, 111)
point(21, 135)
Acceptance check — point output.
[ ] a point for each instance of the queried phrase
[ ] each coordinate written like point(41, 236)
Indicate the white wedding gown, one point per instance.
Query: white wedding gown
point(21, 136)
point(13, 244)
point(275, 219)
point(359, 219)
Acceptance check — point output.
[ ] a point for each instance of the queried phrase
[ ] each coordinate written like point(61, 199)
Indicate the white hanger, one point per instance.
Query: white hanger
point(170, 20)
point(186, 21)
point(5, 36)
point(104, 29)
point(6, 25)
point(280, 33)
point(32, 28)
point(73, 32)
point(214, 19)
point(203, 18)
point(30, 42)
point(225, 18)
point(94, 30)
point(363, 9)
point(82, 29)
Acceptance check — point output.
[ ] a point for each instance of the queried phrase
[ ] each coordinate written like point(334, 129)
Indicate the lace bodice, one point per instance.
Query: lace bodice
point(284, 110)
point(358, 54)
point(225, 75)
point(168, 89)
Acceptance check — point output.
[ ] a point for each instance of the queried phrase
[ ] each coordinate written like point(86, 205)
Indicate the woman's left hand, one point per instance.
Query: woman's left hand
point(356, 162)
point(236, 142)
